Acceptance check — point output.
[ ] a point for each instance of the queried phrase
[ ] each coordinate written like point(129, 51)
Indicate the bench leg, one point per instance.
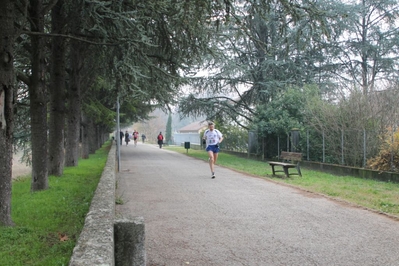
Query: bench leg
point(299, 170)
point(286, 171)
point(274, 173)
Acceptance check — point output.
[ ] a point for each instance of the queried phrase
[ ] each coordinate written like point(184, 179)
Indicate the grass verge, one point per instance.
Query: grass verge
point(372, 194)
point(48, 223)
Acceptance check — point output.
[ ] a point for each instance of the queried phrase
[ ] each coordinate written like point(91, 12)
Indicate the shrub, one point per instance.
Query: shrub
point(388, 157)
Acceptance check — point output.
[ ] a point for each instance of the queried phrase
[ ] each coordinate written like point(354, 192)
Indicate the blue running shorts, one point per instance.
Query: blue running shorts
point(213, 148)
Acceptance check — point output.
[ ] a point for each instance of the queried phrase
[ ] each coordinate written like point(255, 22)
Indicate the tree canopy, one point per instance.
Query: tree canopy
point(271, 47)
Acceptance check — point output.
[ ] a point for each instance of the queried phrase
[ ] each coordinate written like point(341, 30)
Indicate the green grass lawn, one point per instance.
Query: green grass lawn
point(377, 195)
point(48, 223)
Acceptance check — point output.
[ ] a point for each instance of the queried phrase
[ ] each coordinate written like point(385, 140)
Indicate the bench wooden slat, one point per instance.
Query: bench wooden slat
point(288, 156)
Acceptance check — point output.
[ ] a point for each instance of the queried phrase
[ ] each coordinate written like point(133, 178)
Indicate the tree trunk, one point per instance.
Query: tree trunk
point(98, 136)
point(57, 94)
point(7, 36)
point(93, 142)
point(85, 136)
point(38, 100)
point(74, 104)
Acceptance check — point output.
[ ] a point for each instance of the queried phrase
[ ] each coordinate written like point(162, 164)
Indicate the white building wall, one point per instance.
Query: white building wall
point(179, 138)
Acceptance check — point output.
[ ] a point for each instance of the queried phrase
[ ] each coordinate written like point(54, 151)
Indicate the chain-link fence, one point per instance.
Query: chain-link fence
point(344, 147)
point(349, 148)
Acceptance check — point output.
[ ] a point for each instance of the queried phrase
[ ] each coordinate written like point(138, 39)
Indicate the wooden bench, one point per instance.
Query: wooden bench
point(288, 156)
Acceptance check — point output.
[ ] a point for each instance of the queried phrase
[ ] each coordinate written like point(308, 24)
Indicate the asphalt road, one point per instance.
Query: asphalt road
point(236, 219)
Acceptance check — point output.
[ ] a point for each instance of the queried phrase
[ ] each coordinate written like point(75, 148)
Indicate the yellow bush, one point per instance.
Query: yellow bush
point(388, 157)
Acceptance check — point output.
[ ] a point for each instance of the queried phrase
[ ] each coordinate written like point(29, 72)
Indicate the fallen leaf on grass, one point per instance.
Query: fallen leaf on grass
point(62, 237)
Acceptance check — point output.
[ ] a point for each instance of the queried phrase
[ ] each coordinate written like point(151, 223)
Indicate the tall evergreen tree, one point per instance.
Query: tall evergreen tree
point(168, 131)
point(7, 37)
point(38, 97)
point(268, 48)
point(76, 52)
point(369, 54)
point(57, 91)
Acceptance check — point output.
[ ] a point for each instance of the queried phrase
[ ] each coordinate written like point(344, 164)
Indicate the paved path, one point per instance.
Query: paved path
point(236, 219)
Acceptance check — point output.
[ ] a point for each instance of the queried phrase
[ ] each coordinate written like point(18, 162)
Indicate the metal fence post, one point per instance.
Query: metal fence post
point(278, 146)
point(364, 147)
point(342, 147)
point(392, 144)
point(118, 140)
point(324, 149)
point(307, 144)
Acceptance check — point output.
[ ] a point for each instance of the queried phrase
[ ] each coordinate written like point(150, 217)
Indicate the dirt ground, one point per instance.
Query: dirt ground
point(18, 168)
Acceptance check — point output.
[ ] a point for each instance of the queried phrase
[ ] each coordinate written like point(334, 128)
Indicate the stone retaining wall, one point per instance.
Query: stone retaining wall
point(95, 245)
point(105, 241)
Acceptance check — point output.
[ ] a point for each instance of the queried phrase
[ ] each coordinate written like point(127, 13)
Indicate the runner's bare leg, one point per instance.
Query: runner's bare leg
point(211, 160)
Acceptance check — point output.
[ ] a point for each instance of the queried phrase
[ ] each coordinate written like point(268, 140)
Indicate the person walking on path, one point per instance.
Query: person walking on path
point(143, 137)
point(121, 136)
point(135, 136)
point(127, 137)
point(160, 140)
point(212, 138)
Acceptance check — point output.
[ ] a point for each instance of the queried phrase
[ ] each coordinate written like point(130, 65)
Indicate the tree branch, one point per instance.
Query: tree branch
point(49, 6)
point(24, 78)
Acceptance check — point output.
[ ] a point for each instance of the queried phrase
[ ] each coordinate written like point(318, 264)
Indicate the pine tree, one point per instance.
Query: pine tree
point(168, 131)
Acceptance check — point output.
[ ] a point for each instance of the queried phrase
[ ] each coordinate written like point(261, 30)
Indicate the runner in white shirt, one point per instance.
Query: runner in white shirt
point(213, 138)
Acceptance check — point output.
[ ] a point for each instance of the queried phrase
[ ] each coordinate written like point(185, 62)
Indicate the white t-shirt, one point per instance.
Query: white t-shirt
point(212, 137)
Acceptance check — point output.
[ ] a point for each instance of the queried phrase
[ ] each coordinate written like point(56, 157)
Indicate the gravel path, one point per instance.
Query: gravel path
point(236, 219)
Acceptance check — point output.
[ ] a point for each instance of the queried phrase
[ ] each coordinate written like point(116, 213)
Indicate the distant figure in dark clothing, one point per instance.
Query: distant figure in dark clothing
point(127, 137)
point(160, 140)
point(143, 137)
point(121, 135)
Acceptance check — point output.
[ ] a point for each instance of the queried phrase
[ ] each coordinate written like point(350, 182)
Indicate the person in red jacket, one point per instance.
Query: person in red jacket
point(160, 140)
point(135, 137)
